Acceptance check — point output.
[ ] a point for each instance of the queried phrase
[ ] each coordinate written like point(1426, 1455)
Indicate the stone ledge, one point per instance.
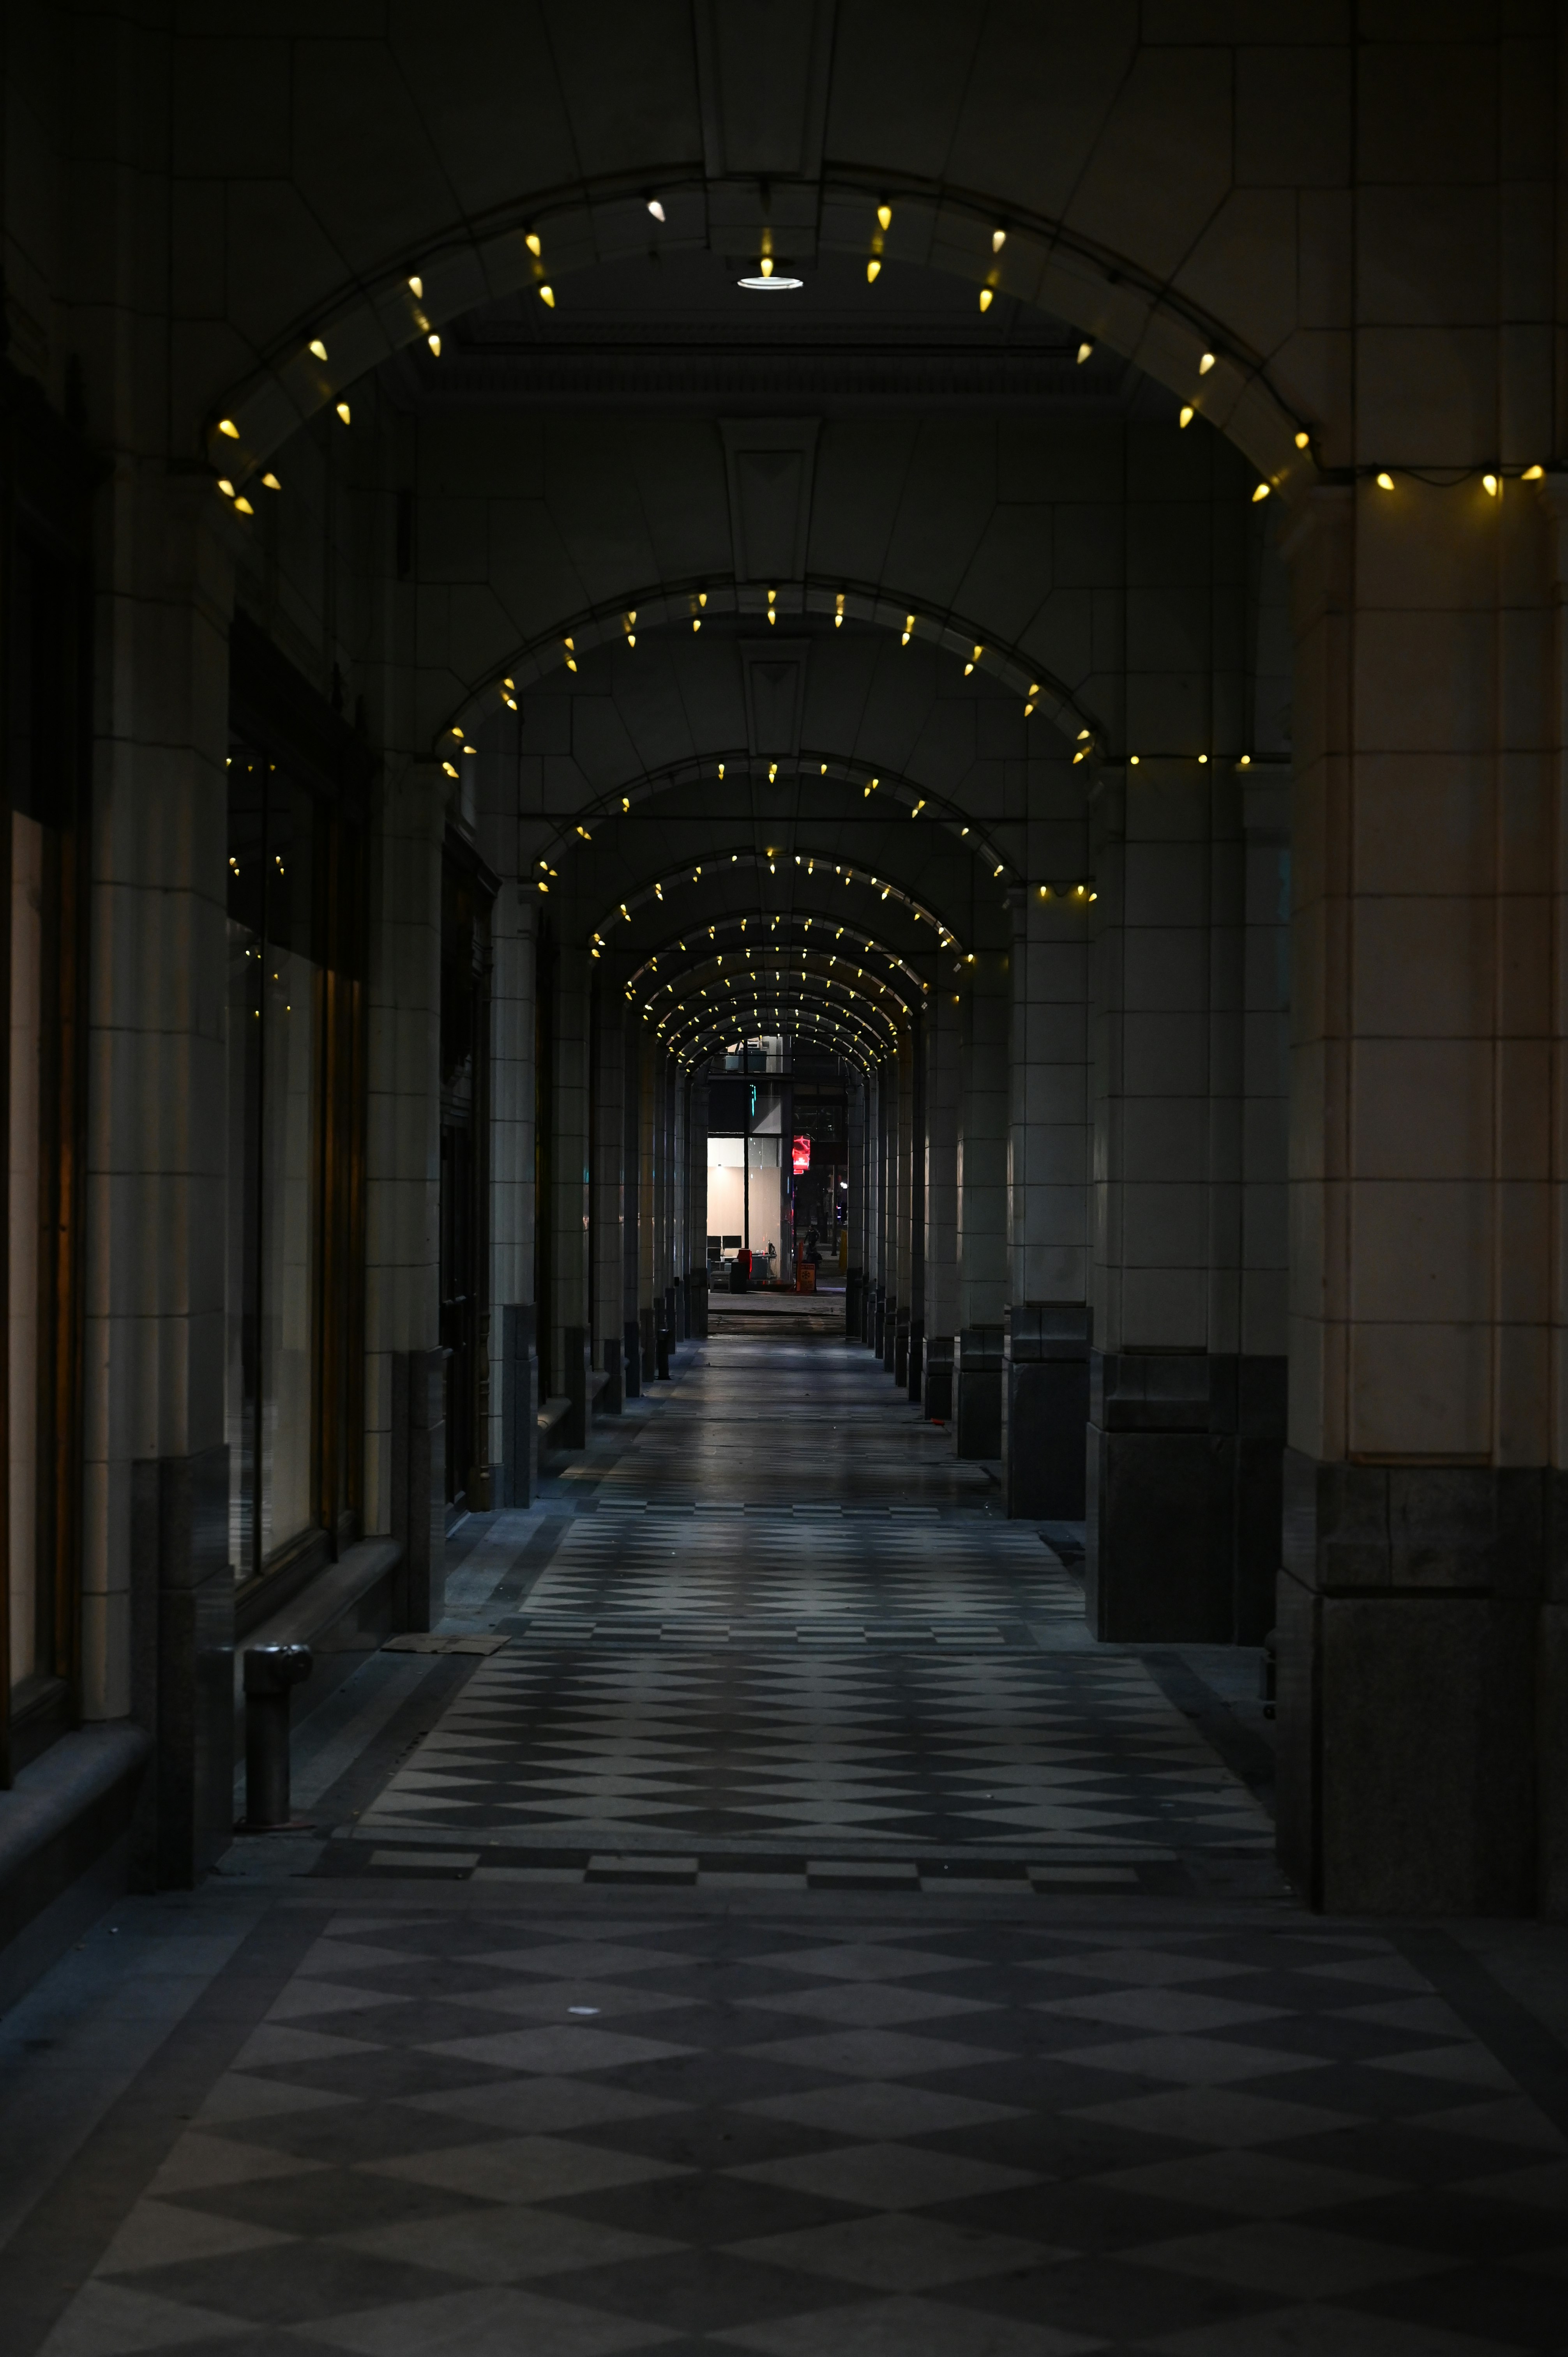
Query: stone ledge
point(64, 1845)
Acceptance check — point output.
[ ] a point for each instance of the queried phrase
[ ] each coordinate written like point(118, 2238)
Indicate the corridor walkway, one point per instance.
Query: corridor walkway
point(793, 1937)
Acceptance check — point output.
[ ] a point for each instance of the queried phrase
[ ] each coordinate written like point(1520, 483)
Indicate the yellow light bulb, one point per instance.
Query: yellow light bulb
point(1188, 414)
point(885, 216)
point(1206, 363)
point(1489, 485)
point(343, 412)
point(1083, 352)
point(696, 622)
point(872, 271)
point(547, 296)
point(226, 486)
point(767, 266)
point(1134, 759)
point(1262, 492)
point(244, 507)
point(1385, 482)
point(226, 425)
point(416, 289)
point(1532, 474)
point(1303, 441)
point(434, 344)
point(531, 242)
point(998, 240)
point(319, 348)
point(271, 482)
point(986, 298)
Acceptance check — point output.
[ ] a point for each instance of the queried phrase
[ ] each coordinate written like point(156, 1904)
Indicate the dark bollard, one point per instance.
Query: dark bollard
point(271, 1673)
point(662, 1348)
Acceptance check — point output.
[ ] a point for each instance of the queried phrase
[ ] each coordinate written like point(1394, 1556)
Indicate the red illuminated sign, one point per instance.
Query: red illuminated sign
point(802, 1155)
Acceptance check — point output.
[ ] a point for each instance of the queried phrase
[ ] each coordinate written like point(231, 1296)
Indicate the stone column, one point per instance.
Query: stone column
point(157, 1587)
point(1178, 1409)
point(607, 1212)
point(514, 1355)
point(641, 1048)
point(405, 1464)
point(696, 1097)
point(571, 1342)
point(876, 1266)
point(895, 1356)
point(633, 1208)
point(944, 1081)
point(1046, 1392)
point(1422, 1687)
point(983, 1208)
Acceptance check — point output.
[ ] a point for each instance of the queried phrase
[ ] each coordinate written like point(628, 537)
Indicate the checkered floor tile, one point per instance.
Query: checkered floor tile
point(495, 2133)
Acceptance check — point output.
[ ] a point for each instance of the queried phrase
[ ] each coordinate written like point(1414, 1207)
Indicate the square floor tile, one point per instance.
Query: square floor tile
point(888, 2109)
point(106, 2320)
point(887, 2176)
point(525, 2168)
point(165, 2233)
point(562, 2048)
point(1322, 2333)
point(507, 2244)
point(866, 1961)
point(1292, 2262)
point(543, 2106)
point(1218, 2115)
point(1247, 2184)
point(874, 2054)
point(867, 2005)
point(1158, 2010)
point(894, 2251)
point(490, 2323)
point(1191, 2062)
point(905, 2327)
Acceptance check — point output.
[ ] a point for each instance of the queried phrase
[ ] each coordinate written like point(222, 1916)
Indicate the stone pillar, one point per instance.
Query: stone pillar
point(403, 1156)
point(1047, 1209)
point(632, 1203)
point(607, 1212)
point(915, 1374)
point(514, 1433)
point(854, 1211)
point(570, 1182)
point(157, 1587)
point(648, 1279)
point(944, 1076)
point(983, 1208)
point(903, 1223)
point(1177, 1408)
point(1421, 1689)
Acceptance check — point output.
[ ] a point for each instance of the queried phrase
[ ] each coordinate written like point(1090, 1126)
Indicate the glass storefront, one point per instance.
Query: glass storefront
point(42, 900)
point(293, 1335)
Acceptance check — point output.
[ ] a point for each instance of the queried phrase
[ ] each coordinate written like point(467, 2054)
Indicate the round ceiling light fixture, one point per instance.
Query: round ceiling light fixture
point(771, 285)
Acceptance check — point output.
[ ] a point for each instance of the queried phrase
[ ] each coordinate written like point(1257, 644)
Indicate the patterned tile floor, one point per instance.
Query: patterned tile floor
point(718, 1684)
point(625, 2000)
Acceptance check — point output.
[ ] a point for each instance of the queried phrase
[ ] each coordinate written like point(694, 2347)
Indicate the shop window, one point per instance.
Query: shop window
point(293, 1315)
point(42, 898)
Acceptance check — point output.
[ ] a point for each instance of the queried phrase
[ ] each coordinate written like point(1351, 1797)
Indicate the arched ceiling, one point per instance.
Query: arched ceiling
point(1143, 190)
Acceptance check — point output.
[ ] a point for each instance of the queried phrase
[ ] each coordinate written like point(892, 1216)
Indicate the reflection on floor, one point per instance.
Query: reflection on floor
point(798, 1939)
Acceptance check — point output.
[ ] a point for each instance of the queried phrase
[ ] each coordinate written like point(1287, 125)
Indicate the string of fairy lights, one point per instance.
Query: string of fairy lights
point(1007, 255)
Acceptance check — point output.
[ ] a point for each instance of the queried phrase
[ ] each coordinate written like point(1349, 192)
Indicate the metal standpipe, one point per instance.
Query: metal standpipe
point(271, 1672)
